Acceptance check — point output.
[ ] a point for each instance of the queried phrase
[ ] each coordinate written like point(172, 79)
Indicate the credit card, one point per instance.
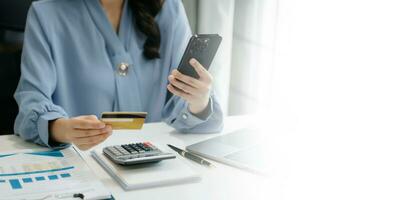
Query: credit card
point(124, 120)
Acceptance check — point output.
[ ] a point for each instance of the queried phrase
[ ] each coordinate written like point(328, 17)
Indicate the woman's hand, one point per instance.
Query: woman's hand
point(83, 131)
point(195, 91)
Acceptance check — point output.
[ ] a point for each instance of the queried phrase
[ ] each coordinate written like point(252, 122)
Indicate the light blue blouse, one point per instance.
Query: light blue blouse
point(69, 68)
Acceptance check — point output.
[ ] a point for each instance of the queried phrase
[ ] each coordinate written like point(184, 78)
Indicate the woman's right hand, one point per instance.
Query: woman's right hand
point(83, 131)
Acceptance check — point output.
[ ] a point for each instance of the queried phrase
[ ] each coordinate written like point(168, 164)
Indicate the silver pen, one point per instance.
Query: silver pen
point(190, 156)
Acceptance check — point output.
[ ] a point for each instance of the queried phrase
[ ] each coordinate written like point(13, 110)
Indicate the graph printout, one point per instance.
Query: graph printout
point(55, 174)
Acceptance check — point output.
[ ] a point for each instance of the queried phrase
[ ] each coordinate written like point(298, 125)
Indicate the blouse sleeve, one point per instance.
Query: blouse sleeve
point(36, 86)
point(176, 111)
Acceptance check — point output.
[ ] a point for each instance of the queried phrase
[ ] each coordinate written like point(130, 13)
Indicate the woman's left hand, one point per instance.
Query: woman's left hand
point(195, 91)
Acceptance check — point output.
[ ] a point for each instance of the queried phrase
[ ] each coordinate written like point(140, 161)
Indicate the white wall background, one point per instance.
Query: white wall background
point(338, 98)
point(252, 61)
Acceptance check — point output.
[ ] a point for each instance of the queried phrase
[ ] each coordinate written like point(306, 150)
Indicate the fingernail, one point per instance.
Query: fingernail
point(192, 61)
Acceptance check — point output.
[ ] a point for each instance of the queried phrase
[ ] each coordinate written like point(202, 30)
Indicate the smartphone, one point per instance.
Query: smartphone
point(203, 48)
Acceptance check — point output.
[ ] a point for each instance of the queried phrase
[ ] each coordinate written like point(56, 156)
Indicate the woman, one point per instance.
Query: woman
point(84, 57)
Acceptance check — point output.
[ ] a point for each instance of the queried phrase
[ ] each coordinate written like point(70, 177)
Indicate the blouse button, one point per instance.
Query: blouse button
point(123, 69)
point(184, 116)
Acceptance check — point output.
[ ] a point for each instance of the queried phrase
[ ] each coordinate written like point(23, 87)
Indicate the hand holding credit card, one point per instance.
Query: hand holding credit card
point(124, 120)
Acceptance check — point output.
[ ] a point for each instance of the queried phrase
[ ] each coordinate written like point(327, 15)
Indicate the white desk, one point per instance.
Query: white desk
point(221, 182)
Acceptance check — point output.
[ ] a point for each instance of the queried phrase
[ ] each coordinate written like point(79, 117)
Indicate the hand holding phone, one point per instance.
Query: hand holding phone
point(192, 81)
point(195, 91)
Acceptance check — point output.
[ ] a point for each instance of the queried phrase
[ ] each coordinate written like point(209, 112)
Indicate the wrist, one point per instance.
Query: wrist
point(56, 132)
point(199, 107)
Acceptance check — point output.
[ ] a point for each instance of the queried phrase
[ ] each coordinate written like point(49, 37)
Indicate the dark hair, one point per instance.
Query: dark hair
point(144, 12)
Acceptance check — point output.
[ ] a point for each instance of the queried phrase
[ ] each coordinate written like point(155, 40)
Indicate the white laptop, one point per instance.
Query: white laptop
point(242, 149)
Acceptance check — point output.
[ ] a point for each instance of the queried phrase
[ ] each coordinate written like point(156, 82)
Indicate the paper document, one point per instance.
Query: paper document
point(57, 174)
point(165, 172)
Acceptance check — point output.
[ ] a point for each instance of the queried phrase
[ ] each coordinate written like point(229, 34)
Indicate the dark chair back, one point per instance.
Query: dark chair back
point(13, 14)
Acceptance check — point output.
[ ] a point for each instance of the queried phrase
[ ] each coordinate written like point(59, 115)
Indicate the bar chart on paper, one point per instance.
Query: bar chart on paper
point(39, 174)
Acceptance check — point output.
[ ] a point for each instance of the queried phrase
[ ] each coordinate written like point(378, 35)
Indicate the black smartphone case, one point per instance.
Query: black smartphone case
point(203, 48)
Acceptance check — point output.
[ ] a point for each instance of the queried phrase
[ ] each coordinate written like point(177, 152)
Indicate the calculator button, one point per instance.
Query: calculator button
point(132, 146)
point(114, 151)
point(121, 149)
point(127, 148)
point(117, 153)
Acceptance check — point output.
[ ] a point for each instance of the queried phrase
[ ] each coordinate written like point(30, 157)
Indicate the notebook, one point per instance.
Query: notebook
point(54, 174)
point(166, 172)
